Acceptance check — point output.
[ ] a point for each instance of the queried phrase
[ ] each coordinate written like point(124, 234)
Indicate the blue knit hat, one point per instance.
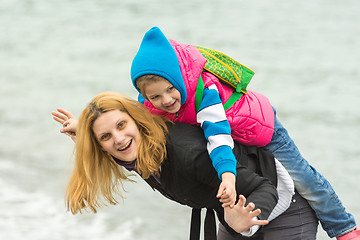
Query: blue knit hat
point(157, 56)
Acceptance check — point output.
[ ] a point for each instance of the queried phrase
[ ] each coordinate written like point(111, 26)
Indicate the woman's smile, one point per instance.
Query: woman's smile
point(118, 134)
point(126, 146)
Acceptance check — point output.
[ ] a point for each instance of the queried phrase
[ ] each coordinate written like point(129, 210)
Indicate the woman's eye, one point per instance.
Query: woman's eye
point(105, 137)
point(121, 124)
point(171, 88)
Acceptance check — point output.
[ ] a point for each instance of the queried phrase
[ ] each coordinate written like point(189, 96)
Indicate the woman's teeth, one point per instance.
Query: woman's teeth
point(126, 146)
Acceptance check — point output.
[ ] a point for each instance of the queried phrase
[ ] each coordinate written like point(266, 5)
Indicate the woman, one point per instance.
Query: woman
point(115, 131)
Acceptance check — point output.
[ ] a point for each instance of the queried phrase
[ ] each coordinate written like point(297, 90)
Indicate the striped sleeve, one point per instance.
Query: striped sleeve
point(212, 118)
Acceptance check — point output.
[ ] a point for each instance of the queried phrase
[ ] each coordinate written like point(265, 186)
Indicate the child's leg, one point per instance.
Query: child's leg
point(310, 184)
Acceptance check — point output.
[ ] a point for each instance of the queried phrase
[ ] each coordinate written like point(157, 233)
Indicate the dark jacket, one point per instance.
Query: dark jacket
point(188, 177)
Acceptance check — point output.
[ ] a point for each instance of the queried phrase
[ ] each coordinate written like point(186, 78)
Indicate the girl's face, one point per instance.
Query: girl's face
point(163, 95)
point(117, 134)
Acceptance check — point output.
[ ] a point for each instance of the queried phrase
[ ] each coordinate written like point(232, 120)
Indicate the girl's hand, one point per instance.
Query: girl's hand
point(68, 121)
point(227, 192)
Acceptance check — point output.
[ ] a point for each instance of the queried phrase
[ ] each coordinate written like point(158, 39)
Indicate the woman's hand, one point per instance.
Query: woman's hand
point(241, 218)
point(68, 121)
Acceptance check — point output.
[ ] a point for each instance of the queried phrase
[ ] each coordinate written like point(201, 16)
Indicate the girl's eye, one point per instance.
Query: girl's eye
point(154, 97)
point(171, 88)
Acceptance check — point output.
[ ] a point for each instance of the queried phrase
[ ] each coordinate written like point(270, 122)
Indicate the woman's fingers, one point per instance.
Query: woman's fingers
point(67, 126)
point(261, 222)
point(242, 201)
point(250, 206)
point(255, 213)
point(59, 117)
point(66, 113)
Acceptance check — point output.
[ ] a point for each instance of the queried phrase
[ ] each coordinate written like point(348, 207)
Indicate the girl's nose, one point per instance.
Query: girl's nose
point(166, 99)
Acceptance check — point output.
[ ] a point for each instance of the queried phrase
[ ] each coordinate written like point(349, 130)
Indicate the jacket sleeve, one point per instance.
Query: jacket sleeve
point(190, 176)
point(255, 188)
point(217, 130)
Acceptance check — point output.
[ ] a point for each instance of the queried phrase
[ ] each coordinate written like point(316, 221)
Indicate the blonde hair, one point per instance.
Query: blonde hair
point(143, 80)
point(96, 174)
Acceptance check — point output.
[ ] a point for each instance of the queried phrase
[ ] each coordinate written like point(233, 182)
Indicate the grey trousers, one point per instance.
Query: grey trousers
point(298, 222)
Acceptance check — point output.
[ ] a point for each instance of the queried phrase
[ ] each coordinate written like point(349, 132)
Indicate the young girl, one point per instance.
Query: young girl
point(166, 74)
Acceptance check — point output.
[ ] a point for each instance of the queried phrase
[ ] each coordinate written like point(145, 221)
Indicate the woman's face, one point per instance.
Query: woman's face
point(117, 134)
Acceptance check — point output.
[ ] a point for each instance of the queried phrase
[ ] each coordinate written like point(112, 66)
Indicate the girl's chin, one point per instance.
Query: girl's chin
point(173, 110)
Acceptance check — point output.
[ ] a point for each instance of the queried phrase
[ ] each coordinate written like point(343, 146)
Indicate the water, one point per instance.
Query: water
point(60, 53)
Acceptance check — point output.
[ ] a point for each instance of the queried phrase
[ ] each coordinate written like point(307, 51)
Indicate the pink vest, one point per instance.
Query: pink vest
point(251, 118)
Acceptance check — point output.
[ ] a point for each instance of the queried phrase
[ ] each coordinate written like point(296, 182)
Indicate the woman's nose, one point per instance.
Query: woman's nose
point(118, 138)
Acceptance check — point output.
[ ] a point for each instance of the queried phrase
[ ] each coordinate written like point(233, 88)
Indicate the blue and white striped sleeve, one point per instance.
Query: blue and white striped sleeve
point(211, 116)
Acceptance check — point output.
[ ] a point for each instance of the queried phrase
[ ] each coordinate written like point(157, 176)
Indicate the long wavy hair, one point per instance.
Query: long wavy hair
point(96, 176)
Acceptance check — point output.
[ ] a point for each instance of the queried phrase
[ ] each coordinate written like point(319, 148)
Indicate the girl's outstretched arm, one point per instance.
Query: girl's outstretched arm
point(68, 121)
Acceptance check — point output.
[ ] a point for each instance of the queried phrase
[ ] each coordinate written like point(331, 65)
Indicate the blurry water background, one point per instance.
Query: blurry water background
point(61, 53)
